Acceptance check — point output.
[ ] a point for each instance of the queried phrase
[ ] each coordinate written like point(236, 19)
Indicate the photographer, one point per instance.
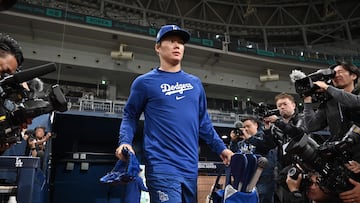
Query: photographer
point(249, 139)
point(339, 112)
point(314, 193)
point(278, 132)
point(342, 110)
point(11, 58)
point(37, 141)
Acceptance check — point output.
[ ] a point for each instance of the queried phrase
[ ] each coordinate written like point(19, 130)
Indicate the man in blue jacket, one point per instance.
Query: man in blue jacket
point(175, 110)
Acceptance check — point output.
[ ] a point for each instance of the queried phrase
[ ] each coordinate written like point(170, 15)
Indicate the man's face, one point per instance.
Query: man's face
point(171, 49)
point(8, 63)
point(251, 127)
point(314, 191)
point(286, 107)
point(39, 133)
point(343, 77)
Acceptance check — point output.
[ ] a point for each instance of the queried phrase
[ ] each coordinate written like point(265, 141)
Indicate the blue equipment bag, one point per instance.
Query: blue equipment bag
point(237, 170)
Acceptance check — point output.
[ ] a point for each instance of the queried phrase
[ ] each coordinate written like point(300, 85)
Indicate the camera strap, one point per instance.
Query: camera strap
point(341, 113)
point(343, 120)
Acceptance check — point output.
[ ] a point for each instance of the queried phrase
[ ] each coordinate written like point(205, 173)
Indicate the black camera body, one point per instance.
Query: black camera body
point(327, 159)
point(269, 112)
point(295, 171)
point(238, 132)
point(306, 87)
point(31, 134)
point(263, 110)
point(17, 107)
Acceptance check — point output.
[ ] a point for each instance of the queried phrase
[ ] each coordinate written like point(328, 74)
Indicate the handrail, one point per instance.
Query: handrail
point(117, 107)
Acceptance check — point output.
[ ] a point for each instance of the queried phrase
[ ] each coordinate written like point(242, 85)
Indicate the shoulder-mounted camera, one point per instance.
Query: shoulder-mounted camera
point(304, 84)
point(17, 107)
point(327, 159)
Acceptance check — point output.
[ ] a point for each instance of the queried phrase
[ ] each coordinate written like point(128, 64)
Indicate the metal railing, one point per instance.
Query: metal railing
point(96, 105)
point(117, 107)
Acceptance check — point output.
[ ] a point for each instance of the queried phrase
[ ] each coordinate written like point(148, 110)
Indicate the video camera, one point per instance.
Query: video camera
point(327, 159)
point(305, 86)
point(263, 110)
point(18, 108)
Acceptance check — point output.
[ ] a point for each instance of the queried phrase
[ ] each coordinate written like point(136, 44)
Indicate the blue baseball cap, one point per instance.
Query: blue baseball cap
point(168, 30)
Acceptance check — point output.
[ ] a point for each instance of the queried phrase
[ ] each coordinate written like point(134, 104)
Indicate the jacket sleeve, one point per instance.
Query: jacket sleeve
point(132, 111)
point(344, 98)
point(314, 121)
point(269, 139)
point(260, 143)
point(292, 129)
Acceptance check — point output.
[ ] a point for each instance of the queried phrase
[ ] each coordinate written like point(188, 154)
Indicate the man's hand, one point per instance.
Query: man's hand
point(353, 166)
point(322, 85)
point(48, 136)
point(269, 120)
point(294, 185)
point(226, 156)
point(118, 152)
point(308, 99)
point(232, 134)
point(352, 195)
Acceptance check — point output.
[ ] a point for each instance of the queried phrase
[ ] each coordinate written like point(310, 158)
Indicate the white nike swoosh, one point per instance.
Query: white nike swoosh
point(179, 97)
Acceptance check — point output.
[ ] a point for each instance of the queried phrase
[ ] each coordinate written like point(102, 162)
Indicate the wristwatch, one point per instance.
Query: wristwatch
point(33, 149)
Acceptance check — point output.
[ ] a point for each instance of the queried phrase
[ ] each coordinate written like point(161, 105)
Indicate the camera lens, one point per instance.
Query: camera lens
point(238, 132)
point(293, 173)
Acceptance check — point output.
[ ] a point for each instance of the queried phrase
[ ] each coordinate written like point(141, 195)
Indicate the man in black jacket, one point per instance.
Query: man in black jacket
point(279, 131)
point(338, 113)
point(314, 193)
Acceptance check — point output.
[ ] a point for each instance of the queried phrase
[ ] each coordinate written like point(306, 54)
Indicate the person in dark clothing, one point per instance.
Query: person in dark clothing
point(252, 141)
point(314, 193)
point(11, 58)
point(338, 113)
point(278, 132)
point(37, 143)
